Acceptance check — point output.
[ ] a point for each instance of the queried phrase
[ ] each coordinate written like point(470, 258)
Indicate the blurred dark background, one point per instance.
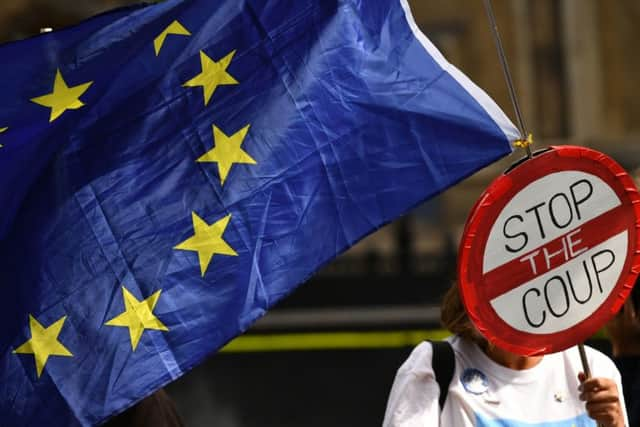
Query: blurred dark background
point(327, 354)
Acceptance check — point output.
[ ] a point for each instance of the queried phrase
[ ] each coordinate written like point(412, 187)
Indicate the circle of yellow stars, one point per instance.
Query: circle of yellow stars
point(207, 240)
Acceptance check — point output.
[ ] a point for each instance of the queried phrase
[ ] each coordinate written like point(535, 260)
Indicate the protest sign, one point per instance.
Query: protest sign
point(550, 251)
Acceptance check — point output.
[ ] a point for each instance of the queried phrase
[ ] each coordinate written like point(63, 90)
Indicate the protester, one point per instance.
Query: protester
point(492, 387)
point(624, 332)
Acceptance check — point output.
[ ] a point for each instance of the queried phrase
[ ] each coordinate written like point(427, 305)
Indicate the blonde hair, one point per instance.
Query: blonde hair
point(454, 317)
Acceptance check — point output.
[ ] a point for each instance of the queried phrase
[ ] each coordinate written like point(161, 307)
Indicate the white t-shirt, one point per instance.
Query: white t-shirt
point(484, 393)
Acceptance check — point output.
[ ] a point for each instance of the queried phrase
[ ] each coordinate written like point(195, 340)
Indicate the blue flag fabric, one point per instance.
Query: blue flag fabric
point(169, 172)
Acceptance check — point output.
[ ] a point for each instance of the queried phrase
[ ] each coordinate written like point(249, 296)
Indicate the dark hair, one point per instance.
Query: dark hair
point(635, 295)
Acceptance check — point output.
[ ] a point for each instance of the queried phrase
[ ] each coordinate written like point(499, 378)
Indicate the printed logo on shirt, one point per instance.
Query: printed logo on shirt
point(581, 421)
point(474, 381)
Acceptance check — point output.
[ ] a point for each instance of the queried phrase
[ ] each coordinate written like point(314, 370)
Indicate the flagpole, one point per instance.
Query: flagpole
point(525, 138)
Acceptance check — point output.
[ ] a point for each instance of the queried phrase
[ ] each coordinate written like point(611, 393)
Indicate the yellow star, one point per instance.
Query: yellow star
point(213, 75)
point(207, 240)
point(138, 316)
point(2, 130)
point(174, 28)
point(44, 343)
point(227, 151)
point(63, 97)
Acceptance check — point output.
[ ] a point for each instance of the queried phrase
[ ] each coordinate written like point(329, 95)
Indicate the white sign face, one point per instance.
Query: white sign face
point(550, 251)
point(544, 210)
point(566, 295)
point(541, 229)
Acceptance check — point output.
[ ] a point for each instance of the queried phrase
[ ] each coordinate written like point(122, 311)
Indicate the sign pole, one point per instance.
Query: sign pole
point(583, 359)
point(525, 139)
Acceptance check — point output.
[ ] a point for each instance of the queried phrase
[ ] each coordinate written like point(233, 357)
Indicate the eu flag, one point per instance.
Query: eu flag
point(169, 172)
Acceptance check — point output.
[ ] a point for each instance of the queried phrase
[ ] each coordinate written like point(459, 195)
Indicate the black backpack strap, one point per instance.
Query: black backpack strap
point(443, 362)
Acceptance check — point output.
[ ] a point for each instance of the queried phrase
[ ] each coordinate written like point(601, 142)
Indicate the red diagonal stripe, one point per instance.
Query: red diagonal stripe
point(514, 273)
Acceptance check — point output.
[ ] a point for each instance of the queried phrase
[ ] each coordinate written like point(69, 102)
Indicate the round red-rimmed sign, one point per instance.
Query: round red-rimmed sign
point(551, 251)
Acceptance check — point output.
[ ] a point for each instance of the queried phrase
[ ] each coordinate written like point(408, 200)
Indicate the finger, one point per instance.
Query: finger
point(601, 407)
point(605, 398)
point(597, 383)
point(600, 395)
point(582, 377)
